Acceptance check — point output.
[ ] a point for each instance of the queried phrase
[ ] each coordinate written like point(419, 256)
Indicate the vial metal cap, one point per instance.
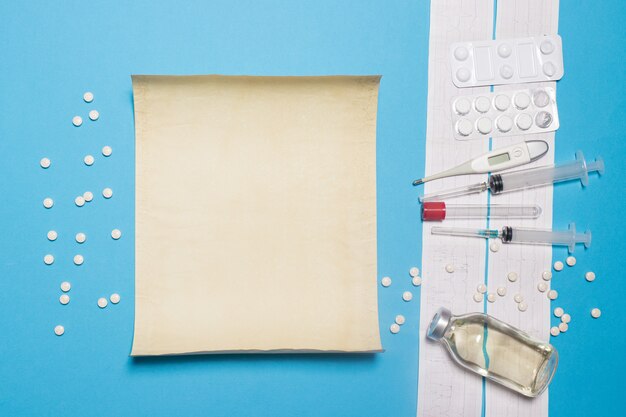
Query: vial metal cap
point(439, 324)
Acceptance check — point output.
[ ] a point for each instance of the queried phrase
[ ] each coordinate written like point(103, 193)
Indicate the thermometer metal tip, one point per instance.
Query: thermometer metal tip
point(418, 182)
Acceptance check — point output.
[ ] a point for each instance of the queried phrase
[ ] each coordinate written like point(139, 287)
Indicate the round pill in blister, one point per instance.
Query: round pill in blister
point(543, 119)
point(501, 291)
point(88, 97)
point(558, 266)
point(546, 275)
point(117, 233)
point(88, 160)
point(553, 294)
point(504, 50)
point(81, 237)
point(463, 74)
point(549, 69)
point(107, 151)
point(541, 98)
point(566, 318)
point(88, 196)
point(66, 286)
point(107, 193)
point(385, 282)
point(79, 201)
point(504, 123)
point(400, 319)
point(542, 287)
point(461, 53)
point(590, 276)
point(502, 102)
point(521, 100)
point(77, 121)
point(45, 163)
point(462, 106)
point(102, 302)
point(481, 288)
point(512, 276)
point(48, 259)
point(491, 297)
point(518, 298)
point(78, 259)
point(414, 271)
point(563, 327)
point(595, 313)
point(64, 299)
point(94, 115)
point(570, 261)
point(59, 330)
point(417, 281)
point(407, 296)
point(115, 298)
point(48, 202)
point(484, 125)
point(394, 328)
point(478, 297)
point(554, 331)
point(482, 104)
point(506, 71)
point(464, 127)
point(546, 47)
point(522, 306)
point(524, 121)
point(52, 235)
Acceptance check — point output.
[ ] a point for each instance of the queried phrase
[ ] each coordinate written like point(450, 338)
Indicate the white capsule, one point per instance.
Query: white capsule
point(558, 266)
point(48, 202)
point(89, 160)
point(570, 261)
point(542, 287)
point(501, 291)
point(407, 296)
point(414, 271)
point(590, 276)
point(94, 115)
point(88, 196)
point(48, 259)
point(107, 151)
point(522, 306)
point(449, 268)
point(554, 331)
point(512, 276)
point(478, 297)
point(491, 297)
point(385, 282)
point(81, 237)
point(77, 121)
point(52, 235)
point(59, 330)
point(107, 193)
point(115, 298)
point(102, 302)
point(78, 259)
point(558, 312)
point(546, 275)
point(400, 319)
point(66, 286)
point(553, 294)
point(563, 327)
point(417, 281)
point(394, 328)
point(595, 313)
point(494, 246)
point(88, 97)
point(64, 299)
point(481, 288)
point(518, 298)
point(45, 163)
point(566, 318)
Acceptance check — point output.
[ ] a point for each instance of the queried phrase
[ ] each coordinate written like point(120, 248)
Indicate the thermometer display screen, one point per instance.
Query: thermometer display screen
point(498, 159)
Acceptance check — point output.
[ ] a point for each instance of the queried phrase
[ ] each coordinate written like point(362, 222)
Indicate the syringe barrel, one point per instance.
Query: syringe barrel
point(567, 238)
point(437, 210)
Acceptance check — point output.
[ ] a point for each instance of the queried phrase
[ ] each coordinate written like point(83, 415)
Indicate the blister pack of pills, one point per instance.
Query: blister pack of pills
point(507, 61)
point(505, 113)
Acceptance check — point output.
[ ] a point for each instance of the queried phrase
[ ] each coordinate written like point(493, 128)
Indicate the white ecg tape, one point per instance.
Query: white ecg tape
point(507, 61)
point(505, 113)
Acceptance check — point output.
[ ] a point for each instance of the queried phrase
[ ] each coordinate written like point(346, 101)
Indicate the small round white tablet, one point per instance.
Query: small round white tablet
point(590, 276)
point(449, 268)
point(399, 319)
point(407, 296)
point(563, 327)
point(107, 151)
point(553, 294)
point(521, 100)
point(566, 318)
point(102, 302)
point(88, 97)
point(524, 121)
point(48, 202)
point(48, 259)
point(385, 282)
point(107, 193)
point(491, 297)
point(482, 104)
point(394, 328)
point(116, 234)
point(504, 123)
point(558, 266)
point(494, 246)
point(417, 281)
point(595, 313)
point(504, 50)
point(462, 106)
point(66, 286)
point(59, 330)
point(501, 291)
point(115, 298)
point(546, 47)
point(94, 115)
point(461, 53)
point(518, 298)
point(64, 299)
point(463, 74)
point(570, 261)
point(512, 276)
point(506, 71)
point(554, 331)
point(464, 127)
point(558, 312)
point(542, 287)
point(549, 69)
point(45, 163)
point(81, 237)
point(414, 271)
point(546, 275)
point(78, 259)
point(52, 235)
point(89, 160)
point(77, 121)
point(522, 306)
point(481, 288)
point(88, 196)
point(478, 297)
point(79, 201)
point(502, 102)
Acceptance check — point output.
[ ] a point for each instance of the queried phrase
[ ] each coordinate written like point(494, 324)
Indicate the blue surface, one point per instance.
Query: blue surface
point(51, 52)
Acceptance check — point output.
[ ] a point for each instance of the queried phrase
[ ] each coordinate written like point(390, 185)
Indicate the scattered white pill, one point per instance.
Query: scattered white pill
point(81, 237)
point(48, 202)
point(399, 318)
point(512, 276)
point(414, 271)
point(52, 235)
point(115, 298)
point(48, 259)
point(59, 330)
point(478, 297)
point(89, 160)
point(563, 327)
point(102, 302)
point(107, 151)
point(385, 282)
point(64, 299)
point(554, 331)
point(45, 163)
point(558, 312)
point(107, 193)
point(394, 328)
point(542, 287)
point(77, 121)
point(79, 201)
point(88, 196)
point(66, 286)
point(93, 114)
point(590, 276)
point(494, 247)
point(546, 275)
point(566, 318)
point(417, 281)
point(558, 266)
point(78, 259)
point(518, 298)
point(407, 296)
point(553, 294)
point(570, 261)
point(522, 306)
point(88, 97)
point(595, 313)
point(501, 291)
point(491, 297)
point(449, 268)
point(481, 288)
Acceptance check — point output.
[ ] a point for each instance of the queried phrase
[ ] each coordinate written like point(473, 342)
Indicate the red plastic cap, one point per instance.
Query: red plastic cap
point(433, 211)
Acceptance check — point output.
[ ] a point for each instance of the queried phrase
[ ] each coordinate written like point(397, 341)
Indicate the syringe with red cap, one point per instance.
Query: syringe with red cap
point(438, 211)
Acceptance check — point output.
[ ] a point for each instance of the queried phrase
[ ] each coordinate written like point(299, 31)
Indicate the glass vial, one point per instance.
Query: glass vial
point(496, 350)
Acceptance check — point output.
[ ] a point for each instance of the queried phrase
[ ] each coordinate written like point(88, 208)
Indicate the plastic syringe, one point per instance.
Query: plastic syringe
point(510, 234)
point(527, 178)
point(438, 210)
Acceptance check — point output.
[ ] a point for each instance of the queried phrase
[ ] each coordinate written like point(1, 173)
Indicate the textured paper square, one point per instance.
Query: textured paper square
point(255, 214)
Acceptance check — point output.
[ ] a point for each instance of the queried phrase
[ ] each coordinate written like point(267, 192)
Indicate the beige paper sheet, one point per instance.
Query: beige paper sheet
point(255, 214)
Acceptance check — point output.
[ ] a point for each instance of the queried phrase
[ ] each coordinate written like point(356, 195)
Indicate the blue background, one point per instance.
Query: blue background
point(51, 52)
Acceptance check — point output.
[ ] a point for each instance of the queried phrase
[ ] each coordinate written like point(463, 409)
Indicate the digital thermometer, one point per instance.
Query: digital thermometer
point(497, 160)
